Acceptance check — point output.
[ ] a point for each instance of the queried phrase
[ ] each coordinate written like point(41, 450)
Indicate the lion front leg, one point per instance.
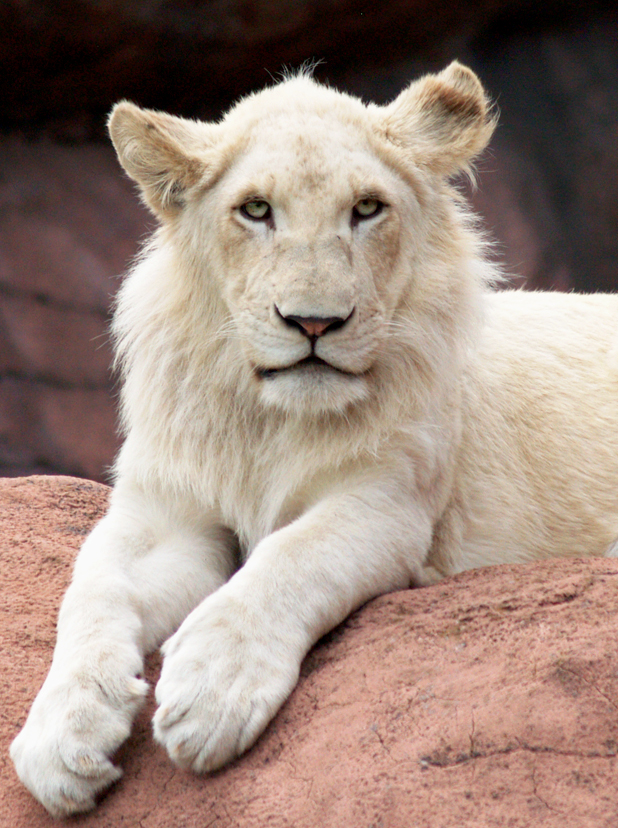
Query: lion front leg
point(138, 575)
point(237, 657)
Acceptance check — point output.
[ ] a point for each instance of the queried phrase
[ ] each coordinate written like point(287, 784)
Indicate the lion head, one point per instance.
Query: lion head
point(306, 224)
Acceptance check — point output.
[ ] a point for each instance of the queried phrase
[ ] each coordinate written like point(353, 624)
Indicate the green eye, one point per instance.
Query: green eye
point(367, 207)
point(257, 209)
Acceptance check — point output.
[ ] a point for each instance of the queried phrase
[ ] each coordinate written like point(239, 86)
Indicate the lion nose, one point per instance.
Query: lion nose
point(314, 326)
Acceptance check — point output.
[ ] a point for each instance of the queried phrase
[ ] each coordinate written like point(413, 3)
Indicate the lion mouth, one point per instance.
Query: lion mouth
point(309, 363)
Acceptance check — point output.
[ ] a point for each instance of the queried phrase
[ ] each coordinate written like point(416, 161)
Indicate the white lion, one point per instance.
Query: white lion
point(320, 385)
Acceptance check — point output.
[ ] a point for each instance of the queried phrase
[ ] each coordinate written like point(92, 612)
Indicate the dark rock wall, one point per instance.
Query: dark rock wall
point(550, 182)
point(70, 222)
point(72, 57)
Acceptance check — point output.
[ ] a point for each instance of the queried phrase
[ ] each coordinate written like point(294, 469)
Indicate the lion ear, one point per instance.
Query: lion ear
point(164, 154)
point(440, 122)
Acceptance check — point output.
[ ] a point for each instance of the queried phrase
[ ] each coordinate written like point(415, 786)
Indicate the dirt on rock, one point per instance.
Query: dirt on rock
point(490, 699)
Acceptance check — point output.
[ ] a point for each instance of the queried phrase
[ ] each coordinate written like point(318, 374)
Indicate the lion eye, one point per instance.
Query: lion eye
point(367, 207)
point(257, 210)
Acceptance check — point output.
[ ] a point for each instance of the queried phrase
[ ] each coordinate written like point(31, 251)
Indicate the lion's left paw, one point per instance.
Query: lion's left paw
point(222, 682)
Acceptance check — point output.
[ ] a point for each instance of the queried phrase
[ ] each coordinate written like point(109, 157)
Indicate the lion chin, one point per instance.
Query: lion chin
point(312, 387)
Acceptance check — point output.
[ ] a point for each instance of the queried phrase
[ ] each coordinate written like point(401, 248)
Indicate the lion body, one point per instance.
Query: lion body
point(536, 472)
point(319, 384)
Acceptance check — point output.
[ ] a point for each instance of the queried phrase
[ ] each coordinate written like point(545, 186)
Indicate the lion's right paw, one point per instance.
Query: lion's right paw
point(64, 775)
point(62, 753)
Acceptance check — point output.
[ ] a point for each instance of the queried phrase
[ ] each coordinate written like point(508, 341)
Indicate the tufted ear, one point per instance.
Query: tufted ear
point(164, 154)
point(440, 122)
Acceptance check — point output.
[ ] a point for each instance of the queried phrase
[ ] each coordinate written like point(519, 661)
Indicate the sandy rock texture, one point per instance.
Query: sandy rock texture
point(487, 701)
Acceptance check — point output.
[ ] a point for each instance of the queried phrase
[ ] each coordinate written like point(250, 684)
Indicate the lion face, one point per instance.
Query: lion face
point(303, 209)
point(306, 237)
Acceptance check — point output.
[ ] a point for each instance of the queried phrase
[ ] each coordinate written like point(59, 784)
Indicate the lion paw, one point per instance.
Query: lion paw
point(62, 753)
point(220, 685)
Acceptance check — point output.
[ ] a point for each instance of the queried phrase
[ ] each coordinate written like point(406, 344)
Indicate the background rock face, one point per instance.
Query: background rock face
point(69, 59)
point(487, 701)
point(70, 223)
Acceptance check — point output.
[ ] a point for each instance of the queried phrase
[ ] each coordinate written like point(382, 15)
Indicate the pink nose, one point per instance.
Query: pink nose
point(314, 326)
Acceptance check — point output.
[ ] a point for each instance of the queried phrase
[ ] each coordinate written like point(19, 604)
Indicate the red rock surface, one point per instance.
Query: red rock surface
point(487, 701)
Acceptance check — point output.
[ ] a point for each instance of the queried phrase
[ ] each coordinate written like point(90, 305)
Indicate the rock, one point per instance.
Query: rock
point(67, 62)
point(549, 183)
point(489, 700)
point(69, 224)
